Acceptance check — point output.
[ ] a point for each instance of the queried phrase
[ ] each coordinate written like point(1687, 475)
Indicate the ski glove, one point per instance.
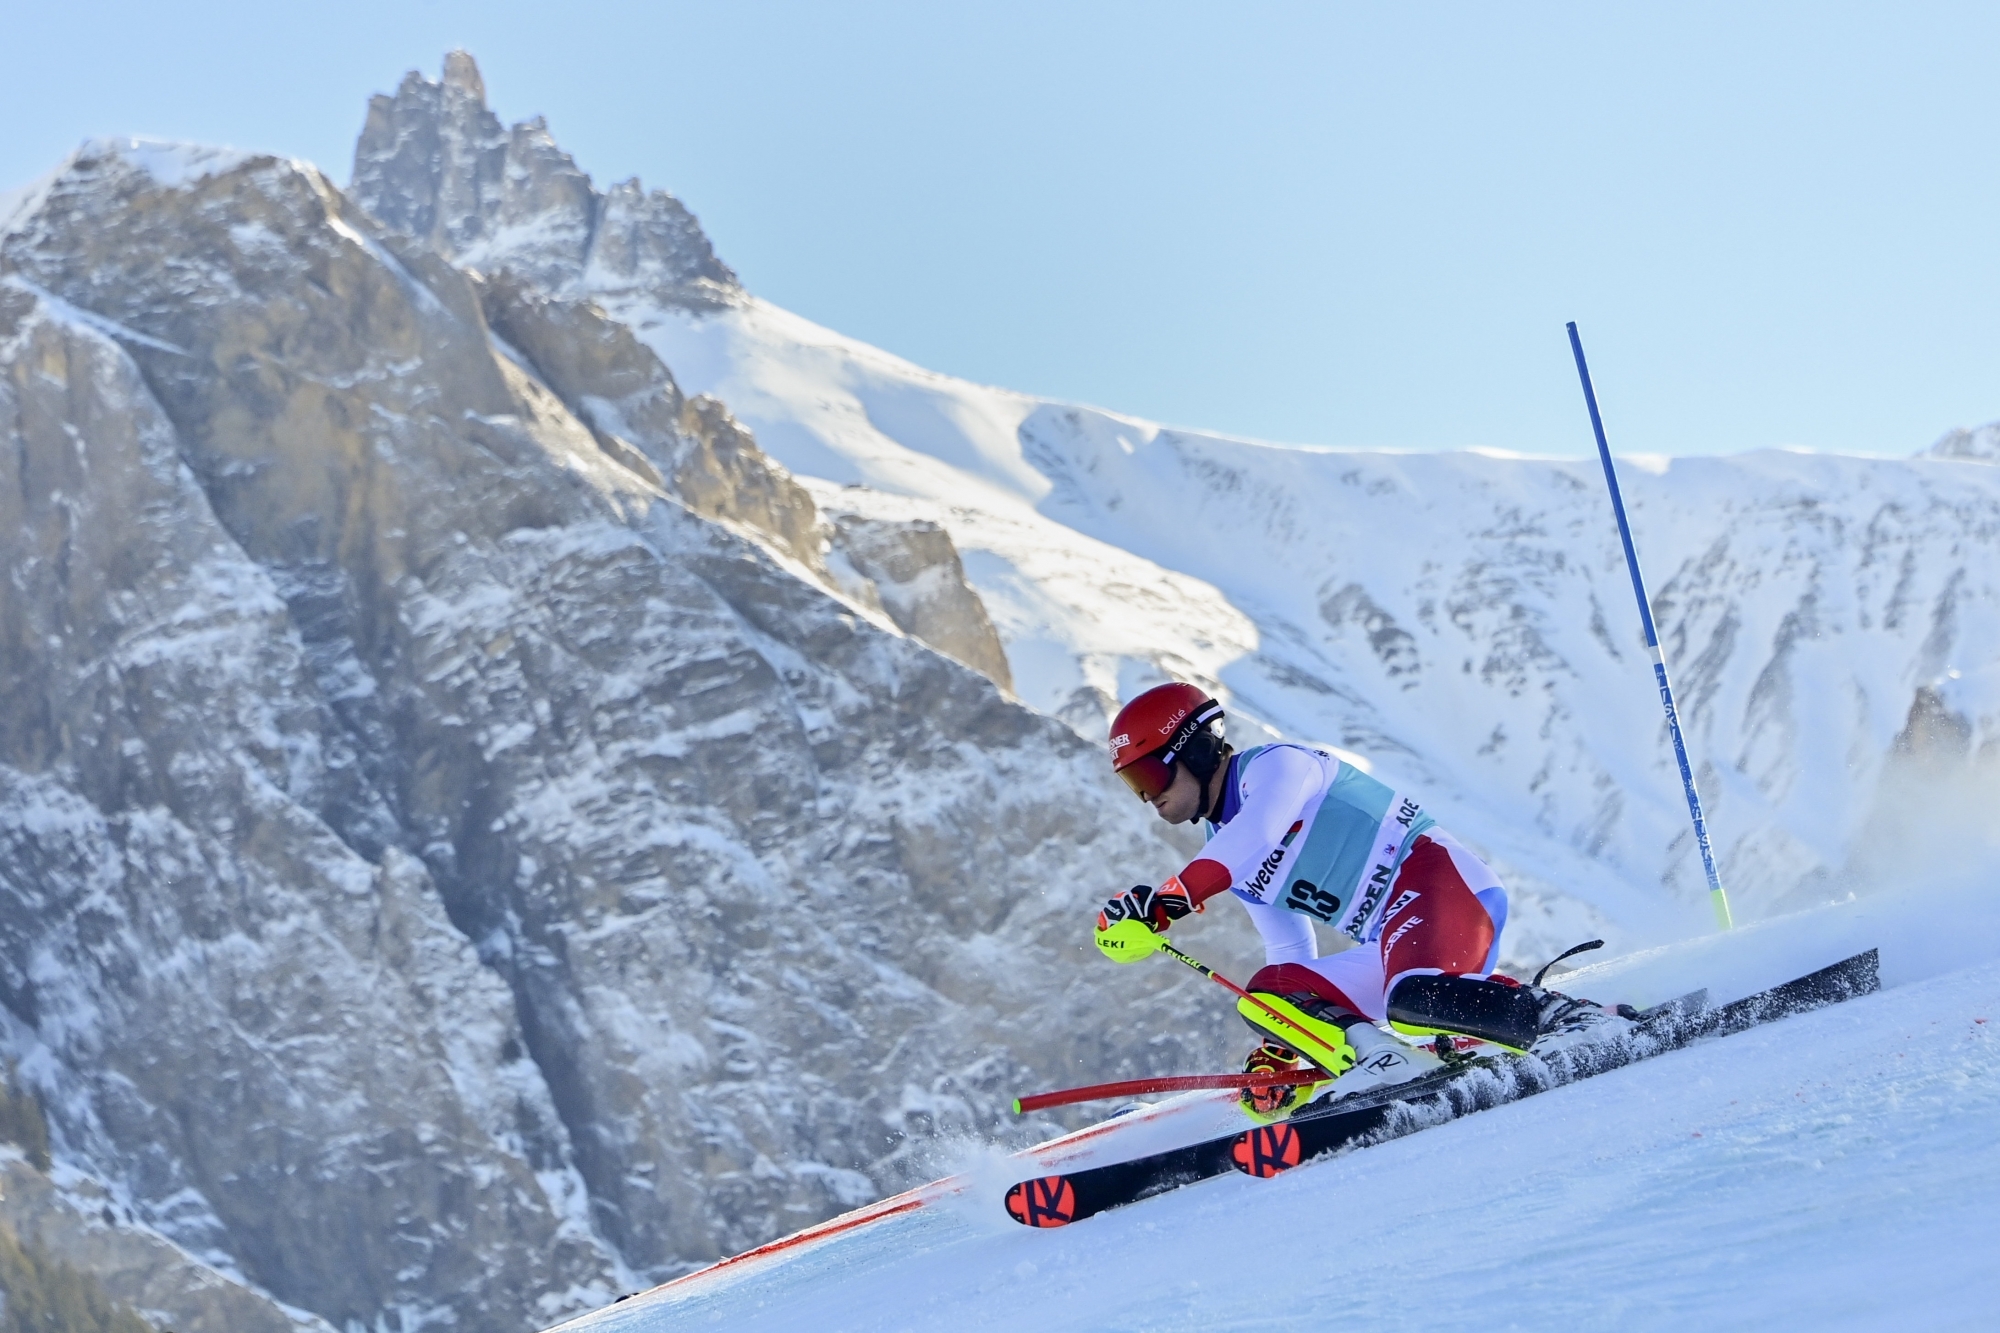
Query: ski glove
point(1131, 923)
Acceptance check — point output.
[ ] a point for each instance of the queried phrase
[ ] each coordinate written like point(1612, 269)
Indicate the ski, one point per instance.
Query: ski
point(1474, 1085)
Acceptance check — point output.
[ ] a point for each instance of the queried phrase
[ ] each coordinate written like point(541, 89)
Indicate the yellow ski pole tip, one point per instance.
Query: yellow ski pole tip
point(1017, 1106)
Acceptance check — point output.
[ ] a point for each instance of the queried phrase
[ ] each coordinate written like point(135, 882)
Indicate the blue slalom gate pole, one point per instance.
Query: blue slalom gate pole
point(1715, 892)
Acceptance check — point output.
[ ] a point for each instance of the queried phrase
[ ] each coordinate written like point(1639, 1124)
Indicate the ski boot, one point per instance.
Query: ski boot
point(1567, 1021)
point(1356, 1052)
point(1380, 1061)
point(1516, 1018)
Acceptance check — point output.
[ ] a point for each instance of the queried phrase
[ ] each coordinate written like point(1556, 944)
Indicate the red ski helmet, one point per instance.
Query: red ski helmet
point(1149, 733)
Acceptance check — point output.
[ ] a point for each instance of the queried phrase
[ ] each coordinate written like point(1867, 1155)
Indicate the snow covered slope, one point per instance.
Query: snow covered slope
point(1833, 1170)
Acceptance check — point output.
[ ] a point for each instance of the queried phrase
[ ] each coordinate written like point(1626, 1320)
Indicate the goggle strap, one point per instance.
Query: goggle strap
point(1196, 720)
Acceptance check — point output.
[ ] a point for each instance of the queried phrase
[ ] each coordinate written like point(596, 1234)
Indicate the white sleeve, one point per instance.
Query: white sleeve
point(1288, 936)
point(1276, 786)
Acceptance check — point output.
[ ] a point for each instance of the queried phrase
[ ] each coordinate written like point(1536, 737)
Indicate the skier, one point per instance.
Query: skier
point(1297, 835)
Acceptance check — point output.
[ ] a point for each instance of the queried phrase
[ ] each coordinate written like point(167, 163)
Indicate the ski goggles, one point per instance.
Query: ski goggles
point(1149, 774)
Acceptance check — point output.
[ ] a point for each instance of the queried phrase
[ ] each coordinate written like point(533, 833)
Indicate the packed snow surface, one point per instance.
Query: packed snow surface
point(1832, 1170)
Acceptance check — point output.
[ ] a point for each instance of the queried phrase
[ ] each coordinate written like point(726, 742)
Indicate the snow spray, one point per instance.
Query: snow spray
point(1715, 892)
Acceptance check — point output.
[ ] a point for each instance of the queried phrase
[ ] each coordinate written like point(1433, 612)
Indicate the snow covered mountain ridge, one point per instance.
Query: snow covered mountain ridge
point(1463, 620)
point(474, 708)
point(1982, 445)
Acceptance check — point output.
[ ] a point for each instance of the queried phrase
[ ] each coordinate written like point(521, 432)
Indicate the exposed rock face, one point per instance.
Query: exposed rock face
point(440, 871)
point(721, 473)
point(434, 163)
point(611, 380)
point(616, 384)
point(86, 1228)
point(914, 570)
point(197, 874)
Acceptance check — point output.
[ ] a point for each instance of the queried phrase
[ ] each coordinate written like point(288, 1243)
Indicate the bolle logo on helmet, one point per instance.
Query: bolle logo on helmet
point(1173, 722)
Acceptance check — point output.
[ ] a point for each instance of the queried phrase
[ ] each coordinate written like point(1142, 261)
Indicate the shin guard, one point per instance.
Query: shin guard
point(1319, 1040)
point(1508, 1016)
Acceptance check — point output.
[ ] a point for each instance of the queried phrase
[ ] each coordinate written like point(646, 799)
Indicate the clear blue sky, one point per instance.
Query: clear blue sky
point(1339, 224)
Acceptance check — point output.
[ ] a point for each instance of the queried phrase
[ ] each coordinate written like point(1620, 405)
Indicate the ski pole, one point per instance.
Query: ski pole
point(1138, 1087)
point(1716, 895)
point(1241, 994)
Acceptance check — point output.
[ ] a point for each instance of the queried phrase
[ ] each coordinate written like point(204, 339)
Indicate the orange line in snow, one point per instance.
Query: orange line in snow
point(874, 1212)
point(907, 1201)
point(1075, 1137)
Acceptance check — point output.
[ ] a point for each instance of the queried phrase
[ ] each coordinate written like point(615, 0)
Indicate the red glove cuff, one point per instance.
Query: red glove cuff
point(1202, 880)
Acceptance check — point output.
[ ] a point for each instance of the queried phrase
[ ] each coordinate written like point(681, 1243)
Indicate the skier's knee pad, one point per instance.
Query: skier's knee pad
point(1302, 983)
point(1508, 1016)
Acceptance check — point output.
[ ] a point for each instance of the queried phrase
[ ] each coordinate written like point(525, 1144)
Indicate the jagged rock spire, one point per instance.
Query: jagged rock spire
point(461, 74)
point(434, 163)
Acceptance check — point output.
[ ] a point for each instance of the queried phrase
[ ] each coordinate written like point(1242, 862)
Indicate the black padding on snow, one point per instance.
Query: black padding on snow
point(1508, 1015)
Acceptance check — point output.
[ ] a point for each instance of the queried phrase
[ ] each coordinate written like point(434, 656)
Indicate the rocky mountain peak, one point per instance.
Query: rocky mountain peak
point(461, 75)
point(1979, 445)
point(434, 163)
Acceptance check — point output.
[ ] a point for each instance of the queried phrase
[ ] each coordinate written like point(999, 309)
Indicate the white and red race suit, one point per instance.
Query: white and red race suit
point(1301, 834)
